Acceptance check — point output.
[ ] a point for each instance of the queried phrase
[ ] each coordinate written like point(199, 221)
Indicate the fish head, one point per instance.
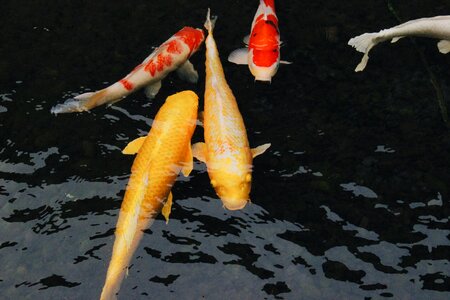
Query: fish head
point(263, 64)
point(185, 104)
point(233, 190)
point(193, 37)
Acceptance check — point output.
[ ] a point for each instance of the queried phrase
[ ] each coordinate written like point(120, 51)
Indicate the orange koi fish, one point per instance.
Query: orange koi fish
point(172, 55)
point(263, 53)
point(226, 150)
point(160, 157)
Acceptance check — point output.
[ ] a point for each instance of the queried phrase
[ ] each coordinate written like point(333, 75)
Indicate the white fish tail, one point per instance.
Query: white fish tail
point(82, 102)
point(210, 22)
point(363, 43)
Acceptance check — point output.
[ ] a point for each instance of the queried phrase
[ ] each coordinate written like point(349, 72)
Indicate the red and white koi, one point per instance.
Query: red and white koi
point(172, 55)
point(263, 52)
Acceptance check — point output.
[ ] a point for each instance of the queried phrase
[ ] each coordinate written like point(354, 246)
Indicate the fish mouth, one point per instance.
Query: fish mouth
point(265, 78)
point(235, 206)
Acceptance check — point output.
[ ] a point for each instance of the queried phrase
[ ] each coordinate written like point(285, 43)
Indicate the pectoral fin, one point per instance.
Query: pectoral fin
point(201, 117)
point(152, 89)
point(188, 164)
point(444, 46)
point(246, 39)
point(260, 149)
point(199, 151)
point(284, 62)
point(395, 40)
point(134, 146)
point(187, 72)
point(167, 208)
point(239, 56)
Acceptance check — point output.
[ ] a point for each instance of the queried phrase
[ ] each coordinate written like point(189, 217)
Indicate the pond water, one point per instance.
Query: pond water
point(350, 202)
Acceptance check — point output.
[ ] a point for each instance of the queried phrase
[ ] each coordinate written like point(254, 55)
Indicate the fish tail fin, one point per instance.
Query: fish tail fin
point(363, 43)
point(210, 21)
point(82, 102)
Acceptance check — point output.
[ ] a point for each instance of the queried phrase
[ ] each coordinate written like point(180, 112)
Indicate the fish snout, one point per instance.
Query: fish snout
point(263, 73)
point(234, 204)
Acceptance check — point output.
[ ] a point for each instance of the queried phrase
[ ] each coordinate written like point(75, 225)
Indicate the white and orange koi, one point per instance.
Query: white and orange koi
point(172, 55)
point(160, 157)
point(226, 150)
point(263, 52)
point(435, 27)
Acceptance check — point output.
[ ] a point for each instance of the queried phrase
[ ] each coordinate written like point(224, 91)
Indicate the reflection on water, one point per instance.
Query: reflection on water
point(351, 201)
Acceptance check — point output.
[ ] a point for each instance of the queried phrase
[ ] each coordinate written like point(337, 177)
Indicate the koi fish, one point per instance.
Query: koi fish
point(263, 53)
point(435, 27)
point(172, 55)
point(226, 150)
point(160, 157)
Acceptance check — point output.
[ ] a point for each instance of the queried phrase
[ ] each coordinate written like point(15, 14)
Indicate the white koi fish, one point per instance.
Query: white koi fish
point(263, 52)
point(435, 27)
point(171, 55)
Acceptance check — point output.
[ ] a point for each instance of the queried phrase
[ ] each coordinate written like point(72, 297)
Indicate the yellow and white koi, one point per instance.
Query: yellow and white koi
point(172, 55)
point(435, 27)
point(160, 157)
point(226, 150)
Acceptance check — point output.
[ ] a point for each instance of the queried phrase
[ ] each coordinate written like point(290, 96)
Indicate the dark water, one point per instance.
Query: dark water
point(350, 202)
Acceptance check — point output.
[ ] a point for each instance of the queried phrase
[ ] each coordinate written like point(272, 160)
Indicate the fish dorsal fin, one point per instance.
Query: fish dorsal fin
point(188, 163)
point(134, 146)
point(444, 46)
point(239, 56)
point(260, 149)
point(152, 89)
point(199, 151)
point(167, 208)
point(147, 59)
point(187, 72)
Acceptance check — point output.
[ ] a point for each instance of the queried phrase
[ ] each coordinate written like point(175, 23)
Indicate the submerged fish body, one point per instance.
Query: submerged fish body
point(160, 157)
point(435, 27)
point(226, 150)
point(172, 55)
point(263, 52)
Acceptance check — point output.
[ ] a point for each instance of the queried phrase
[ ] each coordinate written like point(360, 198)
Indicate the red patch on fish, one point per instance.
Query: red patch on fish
point(265, 34)
point(264, 41)
point(270, 3)
point(174, 47)
point(150, 67)
point(163, 60)
point(265, 58)
point(126, 84)
point(191, 37)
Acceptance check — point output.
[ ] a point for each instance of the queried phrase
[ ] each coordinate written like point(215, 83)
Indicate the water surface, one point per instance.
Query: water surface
point(350, 202)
